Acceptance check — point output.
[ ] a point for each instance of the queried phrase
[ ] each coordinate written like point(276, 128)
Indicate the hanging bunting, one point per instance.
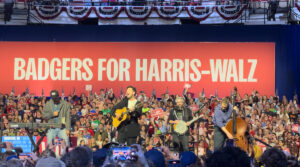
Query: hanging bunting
point(168, 12)
point(199, 13)
point(108, 12)
point(79, 12)
point(138, 12)
point(48, 12)
point(230, 12)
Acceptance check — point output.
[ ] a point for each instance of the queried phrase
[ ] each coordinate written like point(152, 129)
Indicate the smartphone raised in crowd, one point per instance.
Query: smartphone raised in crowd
point(24, 156)
point(120, 153)
point(123, 153)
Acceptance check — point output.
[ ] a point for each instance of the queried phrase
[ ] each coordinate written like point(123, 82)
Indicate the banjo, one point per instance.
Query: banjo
point(181, 127)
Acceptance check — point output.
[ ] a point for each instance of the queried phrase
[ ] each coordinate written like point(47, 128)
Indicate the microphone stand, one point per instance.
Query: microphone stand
point(1, 130)
point(198, 126)
point(111, 131)
point(198, 123)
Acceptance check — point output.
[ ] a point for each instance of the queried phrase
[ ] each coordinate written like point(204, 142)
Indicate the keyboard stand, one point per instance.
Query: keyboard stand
point(37, 144)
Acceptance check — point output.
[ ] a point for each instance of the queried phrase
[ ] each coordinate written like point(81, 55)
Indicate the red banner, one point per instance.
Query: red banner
point(145, 65)
point(156, 112)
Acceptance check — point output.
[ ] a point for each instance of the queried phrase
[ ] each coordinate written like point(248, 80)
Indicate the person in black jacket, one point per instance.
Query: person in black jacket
point(129, 129)
point(180, 112)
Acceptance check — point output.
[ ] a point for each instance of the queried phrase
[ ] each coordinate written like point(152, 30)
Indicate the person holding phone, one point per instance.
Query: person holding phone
point(57, 111)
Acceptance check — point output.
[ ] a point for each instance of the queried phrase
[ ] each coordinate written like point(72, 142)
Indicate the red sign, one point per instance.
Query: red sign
point(194, 107)
point(156, 112)
point(295, 128)
point(145, 65)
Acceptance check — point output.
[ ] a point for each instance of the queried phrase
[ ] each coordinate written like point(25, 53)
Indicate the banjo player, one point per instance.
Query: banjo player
point(180, 112)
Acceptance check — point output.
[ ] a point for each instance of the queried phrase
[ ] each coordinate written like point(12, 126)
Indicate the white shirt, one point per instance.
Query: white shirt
point(131, 103)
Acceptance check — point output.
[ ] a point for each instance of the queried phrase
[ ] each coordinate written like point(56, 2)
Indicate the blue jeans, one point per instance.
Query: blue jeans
point(52, 133)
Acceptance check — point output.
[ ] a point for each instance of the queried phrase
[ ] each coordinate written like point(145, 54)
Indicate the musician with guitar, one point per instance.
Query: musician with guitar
point(178, 114)
point(125, 117)
point(222, 115)
point(57, 111)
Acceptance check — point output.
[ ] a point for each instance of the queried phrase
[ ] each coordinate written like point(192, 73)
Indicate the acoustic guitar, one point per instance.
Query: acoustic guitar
point(122, 115)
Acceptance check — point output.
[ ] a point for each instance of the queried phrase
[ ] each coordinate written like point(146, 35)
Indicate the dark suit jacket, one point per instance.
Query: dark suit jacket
point(130, 127)
point(64, 113)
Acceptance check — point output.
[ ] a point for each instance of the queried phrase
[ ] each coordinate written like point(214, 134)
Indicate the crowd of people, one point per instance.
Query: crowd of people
point(272, 120)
